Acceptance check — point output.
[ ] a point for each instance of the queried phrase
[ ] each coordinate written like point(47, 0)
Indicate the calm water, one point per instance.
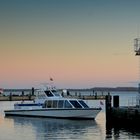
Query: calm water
point(23, 128)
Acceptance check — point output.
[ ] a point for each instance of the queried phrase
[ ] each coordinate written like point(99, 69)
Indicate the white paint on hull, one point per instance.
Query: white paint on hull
point(57, 113)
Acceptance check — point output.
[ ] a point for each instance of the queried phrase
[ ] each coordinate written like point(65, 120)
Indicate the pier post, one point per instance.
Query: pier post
point(95, 95)
point(10, 97)
point(108, 107)
point(116, 101)
point(33, 90)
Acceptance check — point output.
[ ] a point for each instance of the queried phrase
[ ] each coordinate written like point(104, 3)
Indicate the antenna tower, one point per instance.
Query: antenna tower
point(137, 46)
point(137, 53)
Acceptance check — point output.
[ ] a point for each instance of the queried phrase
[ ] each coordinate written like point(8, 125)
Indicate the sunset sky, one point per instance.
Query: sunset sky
point(79, 43)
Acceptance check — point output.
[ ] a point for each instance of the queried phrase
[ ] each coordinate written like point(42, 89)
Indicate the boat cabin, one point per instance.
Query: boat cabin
point(50, 98)
point(65, 103)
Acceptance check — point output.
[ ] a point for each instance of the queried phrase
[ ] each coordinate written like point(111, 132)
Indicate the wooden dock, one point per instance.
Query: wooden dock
point(16, 98)
point(31, 97)
point(121, 115)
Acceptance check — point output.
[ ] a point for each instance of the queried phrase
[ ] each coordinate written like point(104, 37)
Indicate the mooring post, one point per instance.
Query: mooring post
point(10, 96)
point(33, 90)
point(95, 95)
point(116, 101)
point(108, 107)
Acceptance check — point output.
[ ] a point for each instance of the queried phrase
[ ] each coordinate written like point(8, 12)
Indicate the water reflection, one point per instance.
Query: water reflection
point(117, 131)
point(43, 128)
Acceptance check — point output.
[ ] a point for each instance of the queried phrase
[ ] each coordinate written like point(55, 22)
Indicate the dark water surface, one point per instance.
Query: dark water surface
point(24, 128)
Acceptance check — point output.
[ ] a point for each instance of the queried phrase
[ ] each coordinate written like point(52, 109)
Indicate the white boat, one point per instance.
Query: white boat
point(49, 103)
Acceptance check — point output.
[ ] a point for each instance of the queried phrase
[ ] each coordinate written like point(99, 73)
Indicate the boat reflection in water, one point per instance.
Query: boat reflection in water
point(49, 128)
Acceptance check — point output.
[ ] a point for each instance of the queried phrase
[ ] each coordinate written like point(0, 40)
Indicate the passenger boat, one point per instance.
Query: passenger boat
point(49, 103)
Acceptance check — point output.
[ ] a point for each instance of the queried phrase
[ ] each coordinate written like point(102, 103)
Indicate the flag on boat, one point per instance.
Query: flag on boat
point(101, 103)
point(1, 90)
point(51, 79)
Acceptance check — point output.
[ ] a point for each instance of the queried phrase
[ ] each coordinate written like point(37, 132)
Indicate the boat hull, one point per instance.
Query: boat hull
point(89, 113)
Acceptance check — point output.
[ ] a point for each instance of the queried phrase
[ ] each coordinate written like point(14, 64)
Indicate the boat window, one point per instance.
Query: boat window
point(49, 104)
point(67, 104)
point(48, 93)
point(60, 104)
point(55, 103)
point(56, 93)
point(75, 104)
point(83, 104)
